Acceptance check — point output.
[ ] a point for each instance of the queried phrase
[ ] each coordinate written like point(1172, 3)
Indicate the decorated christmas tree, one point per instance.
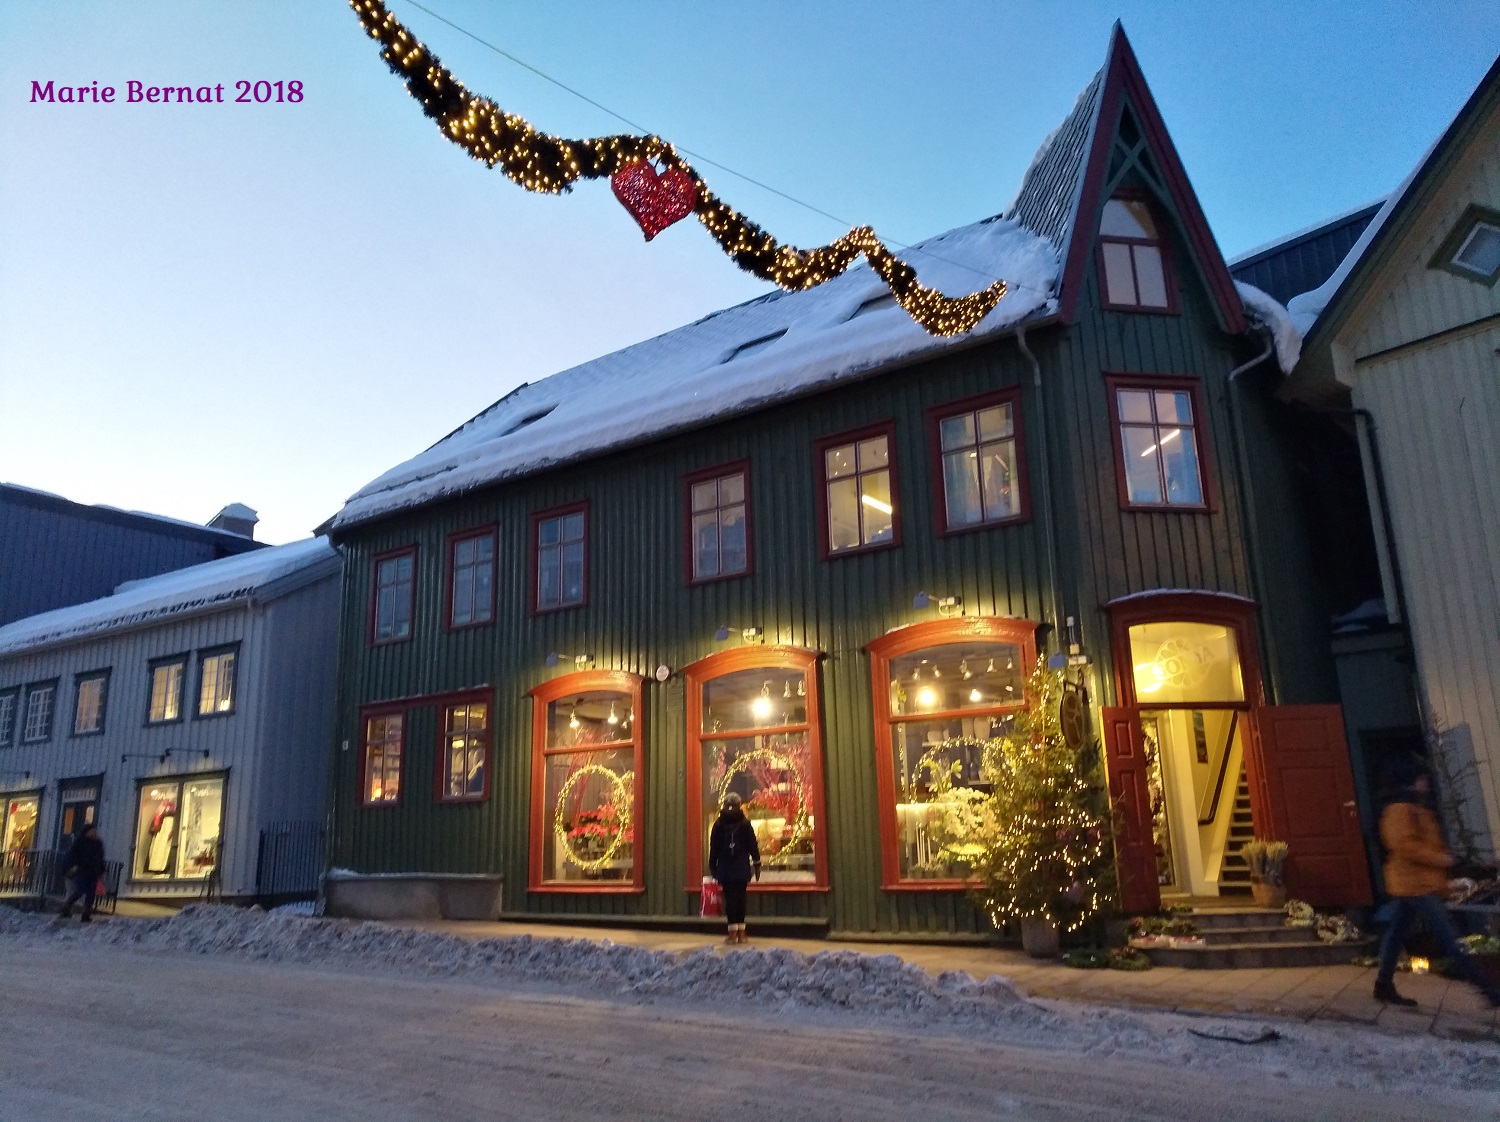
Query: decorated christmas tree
point(1046, 850)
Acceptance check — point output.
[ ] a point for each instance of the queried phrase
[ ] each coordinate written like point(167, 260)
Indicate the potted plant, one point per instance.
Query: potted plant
point(1267, 862)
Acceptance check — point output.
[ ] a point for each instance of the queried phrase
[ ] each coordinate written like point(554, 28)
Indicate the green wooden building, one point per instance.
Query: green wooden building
point(804, 551)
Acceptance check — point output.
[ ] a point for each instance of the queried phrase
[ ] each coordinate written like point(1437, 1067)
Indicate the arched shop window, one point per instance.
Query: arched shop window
point(942, 689)
point(586, 797)
point(753, 728)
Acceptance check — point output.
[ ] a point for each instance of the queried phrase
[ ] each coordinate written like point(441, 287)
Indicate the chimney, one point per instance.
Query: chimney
point(236, 518)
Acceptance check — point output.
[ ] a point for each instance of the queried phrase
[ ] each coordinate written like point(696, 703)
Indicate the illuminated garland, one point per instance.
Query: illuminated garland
point(550, 165)
point(801, 827)
point(621, 802)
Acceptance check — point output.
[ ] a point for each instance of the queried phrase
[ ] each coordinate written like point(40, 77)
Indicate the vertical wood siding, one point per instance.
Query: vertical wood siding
point(640, 614)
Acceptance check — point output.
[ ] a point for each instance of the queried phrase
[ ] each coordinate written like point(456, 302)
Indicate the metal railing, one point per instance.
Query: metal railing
point(289, 862)
point(36, 875)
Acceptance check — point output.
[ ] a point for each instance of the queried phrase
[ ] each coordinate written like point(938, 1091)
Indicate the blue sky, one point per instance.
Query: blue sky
point(273, 304)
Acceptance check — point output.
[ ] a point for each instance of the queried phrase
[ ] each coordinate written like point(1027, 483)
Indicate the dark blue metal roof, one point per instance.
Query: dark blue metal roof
point(54, 552)
point(1302, 261)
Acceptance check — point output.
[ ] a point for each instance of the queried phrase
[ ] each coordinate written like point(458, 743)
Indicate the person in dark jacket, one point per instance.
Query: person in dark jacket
point(1416, 878)
point(733, 858)
point(85, 865)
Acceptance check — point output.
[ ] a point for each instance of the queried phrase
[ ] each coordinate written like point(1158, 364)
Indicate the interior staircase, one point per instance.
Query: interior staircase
point(1234, 875)
point(1246, 938)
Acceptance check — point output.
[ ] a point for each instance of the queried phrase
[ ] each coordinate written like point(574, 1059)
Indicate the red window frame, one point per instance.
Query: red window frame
point(715, 666)
point(689, 554)
point(411, 598)
point(904, 640)
point(935, 418)
point(886, 429)
point(368, 713)
point(585, 681)
point(1163, 247)
point(440, 778)
point(1231, 612)
point(450, 577)
point(1173, 383)
point(537, 518)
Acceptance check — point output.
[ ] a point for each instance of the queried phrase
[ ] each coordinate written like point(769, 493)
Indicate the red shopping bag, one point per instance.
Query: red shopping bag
point(712, 901)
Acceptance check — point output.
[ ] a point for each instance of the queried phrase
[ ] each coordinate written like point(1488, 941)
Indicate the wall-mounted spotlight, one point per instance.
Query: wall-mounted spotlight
point(946, 605)
point(579, 660)
point(748, 634)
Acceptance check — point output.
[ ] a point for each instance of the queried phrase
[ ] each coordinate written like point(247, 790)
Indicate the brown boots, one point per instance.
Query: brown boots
point(736, 933)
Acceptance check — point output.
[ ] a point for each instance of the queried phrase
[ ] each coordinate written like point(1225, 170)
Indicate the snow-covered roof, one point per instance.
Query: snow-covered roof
point(154, 599)
point(708, 370)
point(1276, 320)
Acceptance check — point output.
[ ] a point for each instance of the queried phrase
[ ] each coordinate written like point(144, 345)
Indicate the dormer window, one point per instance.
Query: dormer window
point(1132, 259)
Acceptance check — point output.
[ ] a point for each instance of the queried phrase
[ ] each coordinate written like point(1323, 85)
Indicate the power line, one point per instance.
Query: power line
point(503, 53)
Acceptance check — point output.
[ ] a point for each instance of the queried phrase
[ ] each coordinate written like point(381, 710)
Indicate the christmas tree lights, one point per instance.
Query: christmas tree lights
point(548, 164)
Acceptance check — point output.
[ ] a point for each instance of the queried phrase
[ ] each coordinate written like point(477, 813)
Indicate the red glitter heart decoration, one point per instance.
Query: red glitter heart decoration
point(654, 201)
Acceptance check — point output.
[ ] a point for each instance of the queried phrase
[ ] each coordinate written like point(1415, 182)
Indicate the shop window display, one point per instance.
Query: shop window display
point(20, 823)
point(939, 706)
point(466, 750)
point(384, 741)
point(585, 804)
point(178, 825)
point(754, 734)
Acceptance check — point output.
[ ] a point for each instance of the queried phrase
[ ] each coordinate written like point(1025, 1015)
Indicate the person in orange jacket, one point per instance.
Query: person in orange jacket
point(1416, 877)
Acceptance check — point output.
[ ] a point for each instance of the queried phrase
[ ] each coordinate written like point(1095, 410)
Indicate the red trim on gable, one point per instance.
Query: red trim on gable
point(1124, 79)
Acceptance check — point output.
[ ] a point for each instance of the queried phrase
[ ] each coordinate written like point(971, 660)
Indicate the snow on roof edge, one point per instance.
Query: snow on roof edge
point(1306, 231)
point(1264, 308)
point(173, 595)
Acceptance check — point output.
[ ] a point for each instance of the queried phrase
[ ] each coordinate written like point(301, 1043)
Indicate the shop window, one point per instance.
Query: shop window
point(465, 752)
point(381, 757)
point(395, 596)
point(216, 672)
point(718, 511)
point(753, 730)
point(585, 794)
point(857, 477)
point(18, 831)
point(41, 700)
point(1158, 443)
point(560, 557)
point(979, 446)
point(943, 691)
point(177, 830)
point(1133, 260)
point(164, 704)
point(10, 702)
point(88, 704)
point(471, 579)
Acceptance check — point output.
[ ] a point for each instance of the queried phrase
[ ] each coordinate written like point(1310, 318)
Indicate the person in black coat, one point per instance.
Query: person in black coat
point(733, 858)
point(85, 865)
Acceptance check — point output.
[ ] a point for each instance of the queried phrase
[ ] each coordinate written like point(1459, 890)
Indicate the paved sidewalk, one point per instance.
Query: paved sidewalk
point(1332, 993)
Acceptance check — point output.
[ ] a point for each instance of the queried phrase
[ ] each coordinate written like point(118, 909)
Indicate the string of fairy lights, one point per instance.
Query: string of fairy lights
point(547, 164)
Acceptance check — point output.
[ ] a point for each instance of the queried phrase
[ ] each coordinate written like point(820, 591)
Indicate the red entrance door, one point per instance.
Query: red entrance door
point(1130, 799)
point(1303, 794)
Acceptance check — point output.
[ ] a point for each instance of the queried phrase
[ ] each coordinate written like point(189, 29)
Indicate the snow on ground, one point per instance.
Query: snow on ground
point(800, 987)
point(1264, 307)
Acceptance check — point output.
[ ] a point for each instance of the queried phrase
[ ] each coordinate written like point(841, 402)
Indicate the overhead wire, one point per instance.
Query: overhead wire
point(700, 157)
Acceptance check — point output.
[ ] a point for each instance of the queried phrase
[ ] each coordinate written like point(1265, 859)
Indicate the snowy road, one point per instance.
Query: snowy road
point(101, 1032)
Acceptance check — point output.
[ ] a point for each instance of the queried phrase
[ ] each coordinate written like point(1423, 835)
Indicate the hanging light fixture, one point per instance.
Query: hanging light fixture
point(573, 716)
point(963, 668)
point(761, 706)
point(613, 718)
point(975, 696)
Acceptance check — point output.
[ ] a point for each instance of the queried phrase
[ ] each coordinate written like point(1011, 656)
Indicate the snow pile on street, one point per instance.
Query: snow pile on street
point(792, 984)
point(755, 354)
point(1264, 308)
point(187, 590)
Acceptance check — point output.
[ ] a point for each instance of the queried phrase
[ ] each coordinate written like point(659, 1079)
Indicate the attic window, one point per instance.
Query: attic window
point(754, 345)
point(874, 304)
point(1472, 249)
point(1132, 261)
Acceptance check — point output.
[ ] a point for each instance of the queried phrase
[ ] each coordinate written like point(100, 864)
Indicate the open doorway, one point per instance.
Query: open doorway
point(1189, 688)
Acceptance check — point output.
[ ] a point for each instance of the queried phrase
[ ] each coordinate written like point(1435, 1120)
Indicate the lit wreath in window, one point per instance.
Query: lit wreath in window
point(773, 760)
point(621, 800)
